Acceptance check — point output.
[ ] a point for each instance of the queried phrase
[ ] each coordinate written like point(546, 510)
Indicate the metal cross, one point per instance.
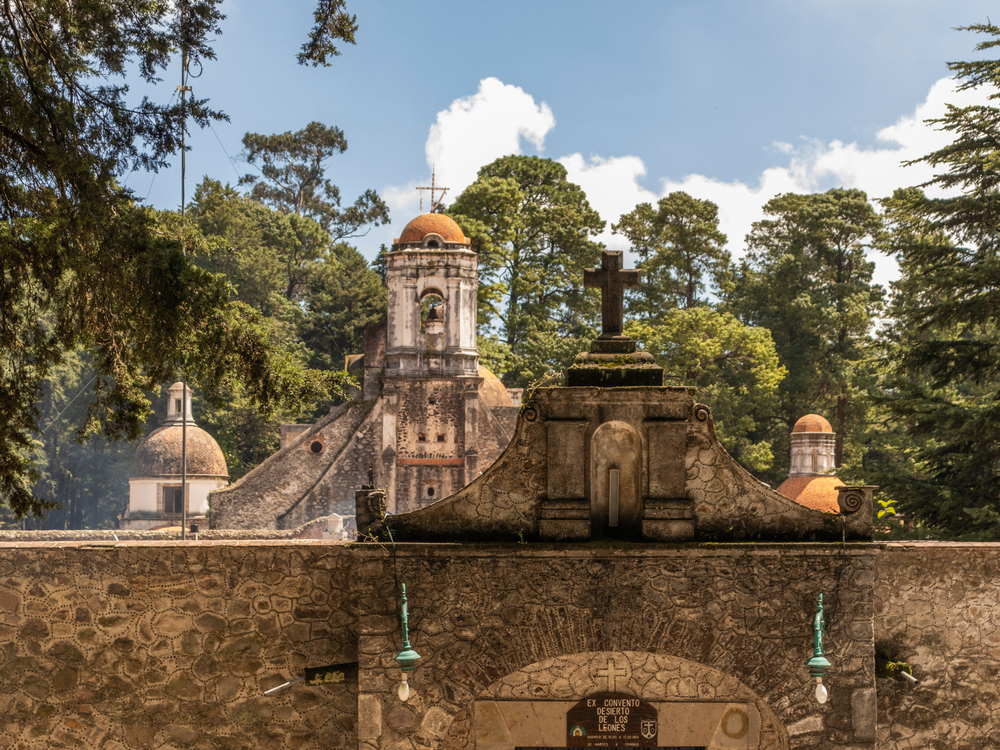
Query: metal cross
point(432, 188)
point(612, 281)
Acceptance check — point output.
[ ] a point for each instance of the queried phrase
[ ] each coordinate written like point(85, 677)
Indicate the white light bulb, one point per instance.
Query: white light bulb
point(404, 689)
point(821, 692)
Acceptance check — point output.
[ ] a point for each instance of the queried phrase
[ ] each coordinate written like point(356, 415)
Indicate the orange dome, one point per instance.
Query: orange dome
point(426, 224)
point(812, 423)
point(818, 493)
point(159, 454)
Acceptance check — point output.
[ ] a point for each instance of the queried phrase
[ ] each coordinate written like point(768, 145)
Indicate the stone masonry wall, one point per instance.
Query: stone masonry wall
point(480, 613)
point(286, 478)
point(434, 409)
point(937, 607)
point(172, 645)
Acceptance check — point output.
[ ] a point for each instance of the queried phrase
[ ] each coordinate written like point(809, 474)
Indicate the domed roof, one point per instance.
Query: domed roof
point(812, 423)
point(426, 224)
point(492, 392)
point(818, 493)
point(159, 454)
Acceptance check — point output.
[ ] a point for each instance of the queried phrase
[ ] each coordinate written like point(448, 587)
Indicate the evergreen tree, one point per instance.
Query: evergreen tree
point(806, 278)
point(942, 386)
point(293, 167)
point(533, 230)
point(678, 244)
point(83, 266)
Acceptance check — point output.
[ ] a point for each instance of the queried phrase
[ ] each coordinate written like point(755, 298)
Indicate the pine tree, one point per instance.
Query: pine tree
point(807, 279)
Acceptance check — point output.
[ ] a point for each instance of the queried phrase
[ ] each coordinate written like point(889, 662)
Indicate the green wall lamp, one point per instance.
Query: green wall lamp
point(407, 658)
point(818, 664)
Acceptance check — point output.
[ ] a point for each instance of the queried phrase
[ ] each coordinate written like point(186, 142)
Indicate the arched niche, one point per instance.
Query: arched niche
point(615, 481)
point(697, 705)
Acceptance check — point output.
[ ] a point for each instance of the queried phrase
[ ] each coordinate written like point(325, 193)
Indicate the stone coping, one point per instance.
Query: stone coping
point(489, 550)
point(154, 543)
point(486, 550)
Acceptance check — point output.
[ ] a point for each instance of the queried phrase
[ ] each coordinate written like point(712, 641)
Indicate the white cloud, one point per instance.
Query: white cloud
point(499, 118)
point(478, 129)
point(813, 166)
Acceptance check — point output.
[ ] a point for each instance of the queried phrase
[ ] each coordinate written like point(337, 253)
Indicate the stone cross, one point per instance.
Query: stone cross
point(613, 672)
point(612, 281)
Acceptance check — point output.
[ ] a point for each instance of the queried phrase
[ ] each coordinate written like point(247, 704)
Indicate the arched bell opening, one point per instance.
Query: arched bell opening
point(432, 311)
point(616, 505)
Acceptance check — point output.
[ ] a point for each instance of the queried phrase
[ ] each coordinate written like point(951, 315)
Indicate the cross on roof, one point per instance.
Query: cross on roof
point(432, 188)
point(612, 281)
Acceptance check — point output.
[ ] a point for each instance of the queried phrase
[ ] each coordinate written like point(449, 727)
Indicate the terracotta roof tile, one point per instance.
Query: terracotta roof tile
point(812, 423)
point(818, 493)
point(432, 224)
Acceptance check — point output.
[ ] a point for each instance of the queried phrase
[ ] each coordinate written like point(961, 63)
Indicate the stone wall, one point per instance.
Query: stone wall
point(937, 607)
point(556, 623)
point(282, 491)
point(172, 645)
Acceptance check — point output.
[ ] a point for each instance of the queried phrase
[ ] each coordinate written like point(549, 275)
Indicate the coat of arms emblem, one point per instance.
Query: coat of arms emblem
point(648, 729)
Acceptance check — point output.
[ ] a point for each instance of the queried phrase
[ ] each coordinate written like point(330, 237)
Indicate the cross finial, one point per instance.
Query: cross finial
point(432, 188)
point(612, 280)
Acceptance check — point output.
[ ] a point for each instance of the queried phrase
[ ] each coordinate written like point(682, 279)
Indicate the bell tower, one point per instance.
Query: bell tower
point(432, 261)
point(430, 422)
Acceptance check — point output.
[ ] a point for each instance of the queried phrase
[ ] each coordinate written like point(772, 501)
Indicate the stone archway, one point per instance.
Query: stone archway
point(697, 705)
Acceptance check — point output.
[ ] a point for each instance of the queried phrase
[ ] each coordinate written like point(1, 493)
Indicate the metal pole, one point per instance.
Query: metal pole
point(184, 483)
point(184, 463)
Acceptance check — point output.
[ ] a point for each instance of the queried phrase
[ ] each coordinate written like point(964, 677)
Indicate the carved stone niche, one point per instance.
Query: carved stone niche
point(616, 504)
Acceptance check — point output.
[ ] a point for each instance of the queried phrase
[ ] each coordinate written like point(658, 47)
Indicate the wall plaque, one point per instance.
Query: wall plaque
point(611, 720)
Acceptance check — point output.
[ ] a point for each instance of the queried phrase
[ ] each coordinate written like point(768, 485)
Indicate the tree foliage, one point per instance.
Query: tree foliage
point(533, 230)
point(293, 168)
point(806, 278)
point(83, 266)
point(941, 393)
point(678, 244)
point(734, 367)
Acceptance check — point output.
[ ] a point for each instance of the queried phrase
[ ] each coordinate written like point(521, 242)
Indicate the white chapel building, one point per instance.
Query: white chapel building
point(155, 490)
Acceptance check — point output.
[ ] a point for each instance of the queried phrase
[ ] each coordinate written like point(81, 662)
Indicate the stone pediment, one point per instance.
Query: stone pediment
point(635, 464)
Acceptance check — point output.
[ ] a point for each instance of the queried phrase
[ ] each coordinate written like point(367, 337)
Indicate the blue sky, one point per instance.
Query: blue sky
point(732, 101)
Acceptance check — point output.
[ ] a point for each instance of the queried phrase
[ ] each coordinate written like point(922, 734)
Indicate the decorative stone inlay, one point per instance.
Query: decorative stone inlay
point(651, 677)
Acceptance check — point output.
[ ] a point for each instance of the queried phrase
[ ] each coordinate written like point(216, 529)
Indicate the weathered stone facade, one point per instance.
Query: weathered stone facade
point(138, 646)
point(171, 645)
point(427, 418)
point(937, 608)
point(676, 482)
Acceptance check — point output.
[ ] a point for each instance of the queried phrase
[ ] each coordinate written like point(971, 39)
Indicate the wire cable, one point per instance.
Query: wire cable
point(68, 405)
point(224, 150)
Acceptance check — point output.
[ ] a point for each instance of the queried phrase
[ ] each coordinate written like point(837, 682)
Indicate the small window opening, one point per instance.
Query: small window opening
point(432, 243)
point(421, 438)
point(316, 446)
point(177, 405)
point(441, 438)
point(432, 400)
point(173, 500)
point(430, 492)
